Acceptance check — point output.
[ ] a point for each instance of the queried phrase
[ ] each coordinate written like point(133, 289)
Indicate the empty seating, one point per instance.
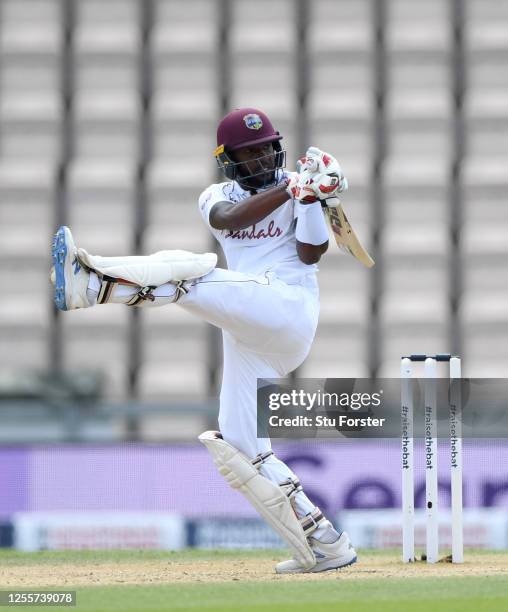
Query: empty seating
point(484, 244)
point(416, 27)
point(97, 340)
point(170, 80)
point(30, 75)
point(175, 363)
point(346, 27)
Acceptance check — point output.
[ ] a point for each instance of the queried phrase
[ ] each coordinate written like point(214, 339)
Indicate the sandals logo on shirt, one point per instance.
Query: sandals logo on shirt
point(253, 233)
point(253, 121)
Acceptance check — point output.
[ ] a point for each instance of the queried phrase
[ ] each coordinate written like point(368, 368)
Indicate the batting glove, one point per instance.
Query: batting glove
point(301, 187)
point(292, 186)
point(327, 178)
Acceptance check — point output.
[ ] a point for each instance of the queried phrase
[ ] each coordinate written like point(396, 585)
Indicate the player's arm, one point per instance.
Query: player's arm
point(310, 253)
point(229, 216)
point(311, 232)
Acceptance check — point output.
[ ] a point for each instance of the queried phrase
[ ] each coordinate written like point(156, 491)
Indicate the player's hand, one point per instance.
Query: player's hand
point(320, 162)
point(300, 187)
point(307, 187)
point(292, 186)
point(323, 187)
point(324, 171)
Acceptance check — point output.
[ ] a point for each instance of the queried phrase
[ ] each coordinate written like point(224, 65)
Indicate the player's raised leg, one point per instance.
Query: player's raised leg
point(74, 271)
point(253, 308)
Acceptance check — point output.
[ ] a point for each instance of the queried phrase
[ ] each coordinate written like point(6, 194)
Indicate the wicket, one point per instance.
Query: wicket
point(430, 438)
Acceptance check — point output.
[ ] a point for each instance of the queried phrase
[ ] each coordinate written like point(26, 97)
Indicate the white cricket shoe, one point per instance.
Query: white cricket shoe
point(68, 275)
point(328, 556)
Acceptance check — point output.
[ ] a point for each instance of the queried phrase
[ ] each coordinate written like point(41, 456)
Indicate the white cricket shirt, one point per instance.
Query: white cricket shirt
point(269, 245)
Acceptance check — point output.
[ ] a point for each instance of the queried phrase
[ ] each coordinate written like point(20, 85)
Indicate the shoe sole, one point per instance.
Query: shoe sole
point(59, 253)
point(314, 570)
point(322, 568)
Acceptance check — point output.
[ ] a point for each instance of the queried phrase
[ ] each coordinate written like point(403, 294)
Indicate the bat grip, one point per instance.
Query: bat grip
point(330, 202)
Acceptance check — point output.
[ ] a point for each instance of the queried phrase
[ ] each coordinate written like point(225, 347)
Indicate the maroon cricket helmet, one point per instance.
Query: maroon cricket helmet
point(244, 127)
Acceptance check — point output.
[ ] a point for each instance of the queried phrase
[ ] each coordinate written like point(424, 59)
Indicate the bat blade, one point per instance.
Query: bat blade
point(344, 234)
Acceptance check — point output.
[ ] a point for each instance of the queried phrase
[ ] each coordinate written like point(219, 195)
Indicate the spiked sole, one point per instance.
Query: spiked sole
point(332, 567)
point(58, 255)
point(323, 566)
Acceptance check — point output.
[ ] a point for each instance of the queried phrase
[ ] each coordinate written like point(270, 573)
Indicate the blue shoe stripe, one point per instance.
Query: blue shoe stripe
point(58, 255)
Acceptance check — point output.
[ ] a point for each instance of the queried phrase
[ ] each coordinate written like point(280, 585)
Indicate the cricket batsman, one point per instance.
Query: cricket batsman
point(271, 227)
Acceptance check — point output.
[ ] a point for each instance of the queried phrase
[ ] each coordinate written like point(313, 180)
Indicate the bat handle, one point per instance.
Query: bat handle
point(330, 202)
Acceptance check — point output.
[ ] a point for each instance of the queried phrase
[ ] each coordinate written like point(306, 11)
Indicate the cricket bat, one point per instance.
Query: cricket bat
point(343, 233)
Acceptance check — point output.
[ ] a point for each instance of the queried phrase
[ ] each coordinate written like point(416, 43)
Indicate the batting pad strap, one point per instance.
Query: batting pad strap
point(261, 458)
point(106, 289)
point(267, 498)
point(291, 487)
point(169, 293)
point(144, 294)
point(311, 226)
point(181, 289)
point(310, 522)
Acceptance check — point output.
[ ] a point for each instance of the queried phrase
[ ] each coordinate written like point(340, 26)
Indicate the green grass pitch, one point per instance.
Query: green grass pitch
point(111, 581)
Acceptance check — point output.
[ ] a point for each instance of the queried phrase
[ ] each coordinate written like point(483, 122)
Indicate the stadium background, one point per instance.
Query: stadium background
point(107, 123)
